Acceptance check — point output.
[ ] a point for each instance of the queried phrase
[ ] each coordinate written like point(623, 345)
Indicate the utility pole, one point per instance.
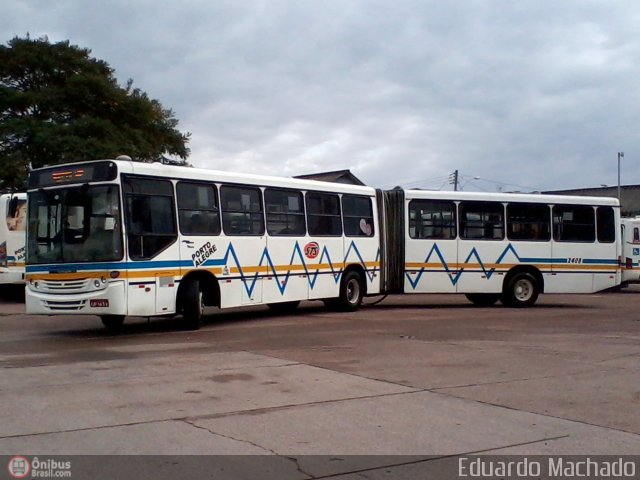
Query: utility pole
point(620, 156)
point(453, 178)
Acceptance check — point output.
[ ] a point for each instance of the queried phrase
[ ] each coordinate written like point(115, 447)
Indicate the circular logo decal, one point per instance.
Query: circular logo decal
point(311, 250)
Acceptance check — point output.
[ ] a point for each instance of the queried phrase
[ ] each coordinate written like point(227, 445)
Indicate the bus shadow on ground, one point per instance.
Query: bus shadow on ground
point(213, 318)
point(243, 315)
point(470, 306)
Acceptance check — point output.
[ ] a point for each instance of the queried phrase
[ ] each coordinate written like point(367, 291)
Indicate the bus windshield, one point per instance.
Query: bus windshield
point(76, 224)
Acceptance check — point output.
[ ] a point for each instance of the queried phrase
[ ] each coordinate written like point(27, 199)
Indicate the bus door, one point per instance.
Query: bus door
point(482, 248)
point(286, 278)
point(431, 248)
point(324, 249)
point(242, 249)
point(361, 239)
point(152, 242)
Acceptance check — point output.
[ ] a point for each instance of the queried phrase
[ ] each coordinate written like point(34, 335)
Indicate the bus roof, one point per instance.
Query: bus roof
point(199, 174)
point(512, 197)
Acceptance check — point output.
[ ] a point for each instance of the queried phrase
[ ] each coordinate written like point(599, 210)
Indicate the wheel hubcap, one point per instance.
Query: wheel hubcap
point(523, 290)
point(353, 291)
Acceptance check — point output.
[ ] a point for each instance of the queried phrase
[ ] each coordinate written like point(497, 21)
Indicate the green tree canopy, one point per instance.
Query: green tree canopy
point(58, 105)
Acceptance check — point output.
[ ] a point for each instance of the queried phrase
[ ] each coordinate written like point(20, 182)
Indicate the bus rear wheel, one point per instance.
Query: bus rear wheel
point(113, 323)
point(351, 292)
point(192, 305)
point(482, 299)
point(522, 290)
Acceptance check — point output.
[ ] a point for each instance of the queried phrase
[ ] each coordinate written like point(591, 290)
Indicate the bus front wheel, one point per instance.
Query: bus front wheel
point(113, 323)
point(521, 291)
point(192, 305)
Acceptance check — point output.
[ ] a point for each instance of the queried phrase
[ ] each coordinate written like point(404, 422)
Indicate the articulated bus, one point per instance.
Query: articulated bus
point(12, 238)
point(116, 238)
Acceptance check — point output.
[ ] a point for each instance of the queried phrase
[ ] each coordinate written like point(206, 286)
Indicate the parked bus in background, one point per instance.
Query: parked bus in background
point(630, 250)
point(116, 238)
point(494, 246)
point(12, 238)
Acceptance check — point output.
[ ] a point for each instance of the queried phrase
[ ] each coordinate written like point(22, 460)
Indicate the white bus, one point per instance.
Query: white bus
point(118, 238)
point(630, 250)
point(493, 246)
point(12, 238)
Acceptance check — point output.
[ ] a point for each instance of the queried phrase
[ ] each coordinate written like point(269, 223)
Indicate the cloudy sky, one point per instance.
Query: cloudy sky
point(527, 94)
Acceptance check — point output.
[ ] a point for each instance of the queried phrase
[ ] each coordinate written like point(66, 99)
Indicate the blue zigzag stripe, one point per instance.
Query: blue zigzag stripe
point(454, 276)
point(282, 279)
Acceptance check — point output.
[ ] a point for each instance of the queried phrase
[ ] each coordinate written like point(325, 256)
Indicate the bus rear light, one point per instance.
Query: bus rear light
point(114, 274)
point(629, 262)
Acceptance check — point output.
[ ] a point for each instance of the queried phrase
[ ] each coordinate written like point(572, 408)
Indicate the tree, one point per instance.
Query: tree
point(58, 105)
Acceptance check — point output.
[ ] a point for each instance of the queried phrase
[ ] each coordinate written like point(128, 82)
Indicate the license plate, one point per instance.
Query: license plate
point(99, 302)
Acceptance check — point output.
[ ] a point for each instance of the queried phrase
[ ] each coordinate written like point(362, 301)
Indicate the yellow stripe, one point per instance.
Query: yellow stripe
point(506, 266)
point(138, 274)
point(457, 266)
point(150, 273)
point(570, 266)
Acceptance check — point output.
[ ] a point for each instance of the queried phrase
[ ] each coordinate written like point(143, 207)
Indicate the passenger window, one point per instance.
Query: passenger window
point(198, 212)
point(242, 210)
point(636, 234)
point(323, 214)
point(357, 215)
point(605, 219)
point(432, 219)
point(574, 223)
point(482, 220)
point(529, 222)
point(149, 210)
point(285, 212)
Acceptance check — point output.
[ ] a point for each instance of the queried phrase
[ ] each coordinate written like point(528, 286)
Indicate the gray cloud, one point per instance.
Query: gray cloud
point(531, 93)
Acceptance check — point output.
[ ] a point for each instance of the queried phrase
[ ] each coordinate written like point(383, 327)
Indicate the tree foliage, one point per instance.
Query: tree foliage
point(58, 105)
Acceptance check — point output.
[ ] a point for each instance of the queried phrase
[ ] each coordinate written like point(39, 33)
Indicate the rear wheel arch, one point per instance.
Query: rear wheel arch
point(359, 269)
point(531, 270)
